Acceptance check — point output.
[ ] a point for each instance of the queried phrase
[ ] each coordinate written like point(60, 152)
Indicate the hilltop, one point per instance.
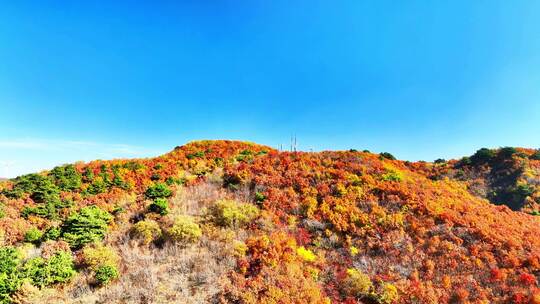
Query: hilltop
point(237, 222)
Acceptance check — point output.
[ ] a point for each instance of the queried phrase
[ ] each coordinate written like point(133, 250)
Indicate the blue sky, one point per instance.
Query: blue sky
point(82, 81)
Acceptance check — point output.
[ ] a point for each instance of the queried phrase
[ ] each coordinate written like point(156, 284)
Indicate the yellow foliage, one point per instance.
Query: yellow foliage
point(354, 179)
point(97, 255)
point(292, 220)
point(306, 254)
point(392, 174)
point(314, 272)
point(340, 190)
point(284, 283)
point(354, 251)
point(185, 229)
point(240, 248)
point(147, 230)
point(231, 213)
point(358, 283)
point(309, 205)
point(447, 281)
point(389, 294)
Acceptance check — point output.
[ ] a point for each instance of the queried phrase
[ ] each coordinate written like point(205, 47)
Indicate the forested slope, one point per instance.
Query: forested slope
point(235, 222)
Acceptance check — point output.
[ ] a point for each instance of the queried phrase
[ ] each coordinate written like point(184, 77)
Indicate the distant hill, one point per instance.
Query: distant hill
point(506, 176)
point(237, 222)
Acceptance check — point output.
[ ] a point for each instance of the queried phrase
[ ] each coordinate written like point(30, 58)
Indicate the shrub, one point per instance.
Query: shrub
point(259, 197)
point(465, 161)
point(28, 293)
point(171, 181)
point(389, 294)
point(104, 175)
point(440, 161)
point(103, 260)
point(53, 233)
point(535, 155)
point(106, 273)
point(147, 230)
point(99, 255)
point(198, 154)
point(158, 190)
point(231, 213)
point(506, 152)
point(521, 191)
point(29, 184)
point(133, 166)
point(96, 187)
point(86, 226)
point(66, 177)
point(386, 155)
point(88, 175)
point(339, 190)
point(9, 259)
point(240, 248)
point(9, 279)
point(42, 190)
point(47, 197)
point(33, 235)
point(59, 268)
point(43, 272)
point(357, 283)
point(118, 181)
point(481, 156)
point(48, 210)
point(50, 248)
point(184, 229)
point(118, 210)
point(233, 179)
point(392, 176)
point(9, 284)
point(306, 254)
point(160, 206)
point(45, 192)
point(245, 155)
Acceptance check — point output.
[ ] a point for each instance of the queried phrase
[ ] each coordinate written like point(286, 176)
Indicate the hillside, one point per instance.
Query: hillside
point(507, 176)
point(236, 222)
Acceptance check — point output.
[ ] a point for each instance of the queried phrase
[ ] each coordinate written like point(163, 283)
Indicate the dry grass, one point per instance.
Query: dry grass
point(194, 200)
point(170, 273)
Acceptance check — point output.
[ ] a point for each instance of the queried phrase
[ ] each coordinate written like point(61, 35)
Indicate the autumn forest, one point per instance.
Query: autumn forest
point(237, 222)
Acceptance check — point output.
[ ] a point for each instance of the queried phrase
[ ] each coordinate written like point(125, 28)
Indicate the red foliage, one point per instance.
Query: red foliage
point(527, 279)
point(422, 234)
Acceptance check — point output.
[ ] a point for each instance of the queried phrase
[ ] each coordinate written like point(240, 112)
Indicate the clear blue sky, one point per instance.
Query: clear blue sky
point(81, 80)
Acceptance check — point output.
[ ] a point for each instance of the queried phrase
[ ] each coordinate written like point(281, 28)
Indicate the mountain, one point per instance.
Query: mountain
point(506, 176)
point(237, 222)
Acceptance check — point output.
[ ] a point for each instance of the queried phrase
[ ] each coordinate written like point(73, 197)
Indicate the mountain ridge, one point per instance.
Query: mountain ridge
point(331, 226)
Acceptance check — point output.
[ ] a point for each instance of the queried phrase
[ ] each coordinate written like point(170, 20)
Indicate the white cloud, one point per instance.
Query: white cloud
point(20, 144)
point(21, 156)
point(55, 145)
